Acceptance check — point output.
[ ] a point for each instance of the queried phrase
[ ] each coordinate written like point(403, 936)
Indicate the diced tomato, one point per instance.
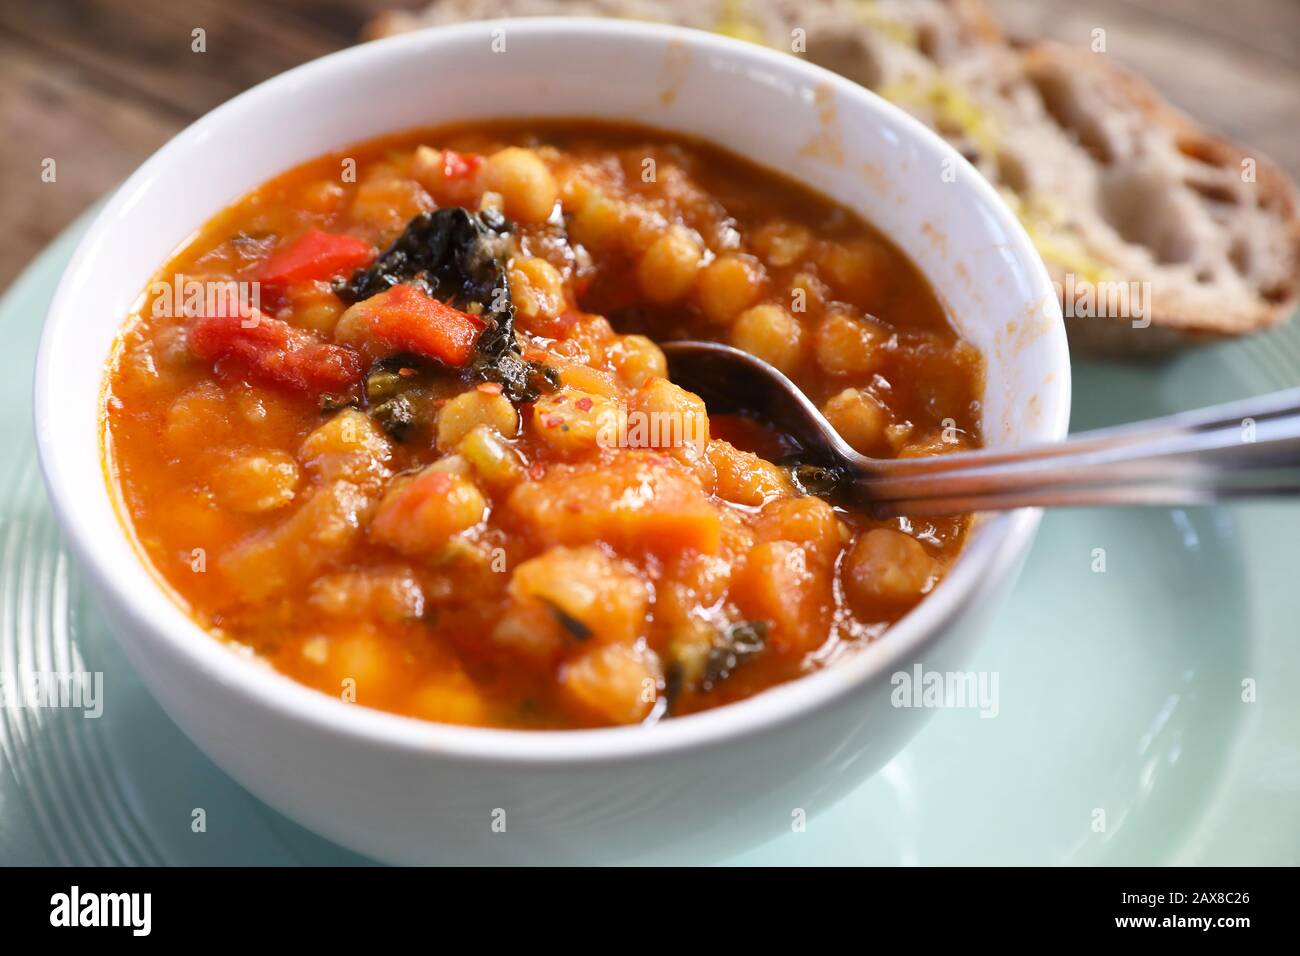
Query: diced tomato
point(405, 319)
point(459, 165)
point(276, 352)
point(316, 255)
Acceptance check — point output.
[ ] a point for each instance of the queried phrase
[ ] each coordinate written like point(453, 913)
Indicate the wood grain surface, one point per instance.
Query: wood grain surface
point(98, 85)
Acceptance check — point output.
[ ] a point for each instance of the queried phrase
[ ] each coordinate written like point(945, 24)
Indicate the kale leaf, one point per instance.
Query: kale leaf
point(459, 257)
point(741, 641)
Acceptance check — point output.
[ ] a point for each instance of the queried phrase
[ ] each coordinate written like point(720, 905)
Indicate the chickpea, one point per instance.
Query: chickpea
point(727, 286)
point(315, 306)
point(668, 268)
point(348, 447)
point(536, 288)
point(859, 418)
point(584, 340)
point(427, 168)
point(256, 483)
point(888, 567)
point(771, 333)
point(641, 227)
point(858, 270)
point(781, 243)
point(468, 410)
point(846, 345)
point(418, 516)
point(573, 421)
point(637, 359)
point(386, 201)
point(524, 182)
point(597, 221)
point(665, 416)
point(668, 416)
point(496, 464)
point(807, 294)
point(745, 478)
point(575, 188)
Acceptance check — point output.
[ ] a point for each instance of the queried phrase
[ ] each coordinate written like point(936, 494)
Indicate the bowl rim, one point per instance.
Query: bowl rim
point(984, 562)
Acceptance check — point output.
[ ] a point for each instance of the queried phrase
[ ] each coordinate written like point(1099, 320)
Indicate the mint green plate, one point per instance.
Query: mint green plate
point(1147, 714)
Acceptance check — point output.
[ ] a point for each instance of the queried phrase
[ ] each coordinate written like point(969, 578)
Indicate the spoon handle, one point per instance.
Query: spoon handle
point(1244, 449)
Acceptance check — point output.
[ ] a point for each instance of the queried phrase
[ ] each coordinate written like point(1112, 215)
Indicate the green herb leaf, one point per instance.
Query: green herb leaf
point(741, 642)
point(576, 628)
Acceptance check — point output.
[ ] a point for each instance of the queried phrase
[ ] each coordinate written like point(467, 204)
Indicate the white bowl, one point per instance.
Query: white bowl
point(405, 790)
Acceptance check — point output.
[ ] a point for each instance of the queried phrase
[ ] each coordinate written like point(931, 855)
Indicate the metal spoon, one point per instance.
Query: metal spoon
point(1242, 449)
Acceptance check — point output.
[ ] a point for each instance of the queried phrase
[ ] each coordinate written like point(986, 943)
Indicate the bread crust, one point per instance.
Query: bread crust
point(1179, 312)
point(1178, 320)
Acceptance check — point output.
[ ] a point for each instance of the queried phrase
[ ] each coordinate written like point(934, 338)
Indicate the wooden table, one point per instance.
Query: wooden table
point(98, 85)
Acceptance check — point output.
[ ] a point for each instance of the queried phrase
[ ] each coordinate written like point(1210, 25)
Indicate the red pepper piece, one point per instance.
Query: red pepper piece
point(405, 319)
point(316, 255)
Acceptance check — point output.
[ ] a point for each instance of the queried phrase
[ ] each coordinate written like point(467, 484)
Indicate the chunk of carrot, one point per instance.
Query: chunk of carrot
point(780, 583)
point(640, 502)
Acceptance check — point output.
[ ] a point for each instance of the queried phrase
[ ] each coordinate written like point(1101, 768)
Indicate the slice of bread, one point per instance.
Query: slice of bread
point(1158, 233)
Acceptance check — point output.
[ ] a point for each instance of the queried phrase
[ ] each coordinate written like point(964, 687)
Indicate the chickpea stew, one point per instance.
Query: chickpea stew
point(398, 424)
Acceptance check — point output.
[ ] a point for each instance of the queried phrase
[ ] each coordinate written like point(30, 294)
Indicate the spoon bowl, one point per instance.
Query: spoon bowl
point(1241, 449)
